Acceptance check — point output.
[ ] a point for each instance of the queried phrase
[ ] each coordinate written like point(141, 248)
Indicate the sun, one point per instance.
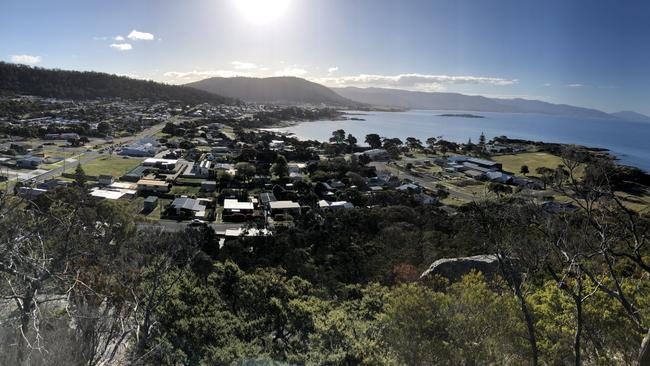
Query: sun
point(262, 11)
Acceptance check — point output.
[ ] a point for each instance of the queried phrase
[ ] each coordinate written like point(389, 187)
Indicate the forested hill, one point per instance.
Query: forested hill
point(281, 89)
point(65, 84)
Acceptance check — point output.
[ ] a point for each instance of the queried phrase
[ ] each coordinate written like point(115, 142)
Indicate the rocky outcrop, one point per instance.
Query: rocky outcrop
point(455, 268)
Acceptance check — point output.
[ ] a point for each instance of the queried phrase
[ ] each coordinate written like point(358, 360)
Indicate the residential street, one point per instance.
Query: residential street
point(92, 155)
point(175, 226)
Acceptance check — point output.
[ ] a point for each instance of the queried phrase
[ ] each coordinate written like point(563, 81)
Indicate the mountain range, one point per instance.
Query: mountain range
point(461, 102)
point(278, 90)
point(26, 80)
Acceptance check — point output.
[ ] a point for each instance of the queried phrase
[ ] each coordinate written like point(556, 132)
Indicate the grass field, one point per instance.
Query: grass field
point(512, 163)
point(114, 166)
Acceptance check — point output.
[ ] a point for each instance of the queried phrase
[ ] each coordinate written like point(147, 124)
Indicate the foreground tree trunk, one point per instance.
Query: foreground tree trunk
point(644, 355)
point(578, 333)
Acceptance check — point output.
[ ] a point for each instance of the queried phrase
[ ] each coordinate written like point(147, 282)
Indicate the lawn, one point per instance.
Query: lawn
point(512, 163)
point(110, 166)
point(185, 190)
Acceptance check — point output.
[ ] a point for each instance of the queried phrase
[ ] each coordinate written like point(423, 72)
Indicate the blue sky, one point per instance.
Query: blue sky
point(584, 52)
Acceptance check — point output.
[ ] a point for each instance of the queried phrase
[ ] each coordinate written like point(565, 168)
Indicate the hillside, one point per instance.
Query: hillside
point(632, 116)
point(26, 80)
point(286, 90)
point(455, 101)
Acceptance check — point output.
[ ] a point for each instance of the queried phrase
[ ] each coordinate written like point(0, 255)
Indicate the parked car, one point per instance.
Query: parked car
point(197, 222)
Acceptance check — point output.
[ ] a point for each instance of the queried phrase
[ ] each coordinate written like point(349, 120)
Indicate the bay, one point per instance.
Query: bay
point(629, 141)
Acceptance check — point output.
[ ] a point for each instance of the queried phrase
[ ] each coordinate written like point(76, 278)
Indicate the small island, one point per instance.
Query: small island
point(461, 115)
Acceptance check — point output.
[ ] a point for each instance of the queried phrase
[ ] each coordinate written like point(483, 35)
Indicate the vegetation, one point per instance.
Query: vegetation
point(26, 80)
point(114, 166)
point(532, 160)
point(81, 285)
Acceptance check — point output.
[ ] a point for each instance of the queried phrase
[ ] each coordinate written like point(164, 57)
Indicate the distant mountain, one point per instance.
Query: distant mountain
point(53, 83)
point(461, 102)
point(281, 90)
point(632, 116)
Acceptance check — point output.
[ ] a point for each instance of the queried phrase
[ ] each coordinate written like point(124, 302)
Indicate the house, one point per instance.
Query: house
point(153, 185)
point(234, 206)
point(203, 168)
point(476, 174)
point(234, 210)
point(425, 199)
point(107, 194)
point(53, 183)
point(221, 150)
point(188, 207)
point(123, 185)
point(473, 163)
point(136, 173)
point(276, 145)
point(409, 187)
point(296, 167)
point(384, 179)
point(374, 154)
point(20, 148)
point(499, 177)
point(150, 203)
point(144, 147)
point(338, 205)
point(284, 208)
point(296, 177)
point(105, 180)
point(168, 165)
point(30, 193)
point(29, 162)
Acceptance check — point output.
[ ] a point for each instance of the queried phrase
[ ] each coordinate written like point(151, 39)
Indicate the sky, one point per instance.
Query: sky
point(592, 53)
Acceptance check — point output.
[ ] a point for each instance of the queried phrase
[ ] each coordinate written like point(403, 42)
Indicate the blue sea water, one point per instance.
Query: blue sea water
point(629, 141)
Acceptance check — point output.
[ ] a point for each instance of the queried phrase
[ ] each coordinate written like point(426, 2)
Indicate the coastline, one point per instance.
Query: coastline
point(621, 156)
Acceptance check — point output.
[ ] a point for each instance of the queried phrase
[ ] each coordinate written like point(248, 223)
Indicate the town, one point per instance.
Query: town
point(182, 165)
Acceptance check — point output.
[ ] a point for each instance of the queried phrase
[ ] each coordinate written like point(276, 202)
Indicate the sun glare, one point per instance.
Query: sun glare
point(262, 11)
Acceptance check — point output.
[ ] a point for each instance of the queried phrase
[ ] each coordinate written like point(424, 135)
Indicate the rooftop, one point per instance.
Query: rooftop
point(152, 182)
point(231, 204)
point(283, 205)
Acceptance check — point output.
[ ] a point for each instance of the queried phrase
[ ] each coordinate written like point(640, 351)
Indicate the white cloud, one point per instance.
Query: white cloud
point(25, 59)
point(576, 85)
point(100, 38)
point(546, 85)
point(239, 65)
point(413, 81)
point(133, 76)
point(332, 69)
point(186, 76)
point(140, 36)
point(291, 71)
point(121, 46)
point(118, 38)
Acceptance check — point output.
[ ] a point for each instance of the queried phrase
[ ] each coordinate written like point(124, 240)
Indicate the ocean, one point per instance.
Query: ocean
point(629, 141)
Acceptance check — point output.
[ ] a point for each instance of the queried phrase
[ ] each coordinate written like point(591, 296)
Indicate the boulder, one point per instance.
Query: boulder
point(455, 268)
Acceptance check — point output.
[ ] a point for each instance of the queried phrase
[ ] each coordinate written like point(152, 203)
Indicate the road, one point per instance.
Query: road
point(175, 226)
point(92, 155)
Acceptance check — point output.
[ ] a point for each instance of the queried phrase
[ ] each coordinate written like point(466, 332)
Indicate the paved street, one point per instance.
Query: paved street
point(175, 226)
point(71, 163)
